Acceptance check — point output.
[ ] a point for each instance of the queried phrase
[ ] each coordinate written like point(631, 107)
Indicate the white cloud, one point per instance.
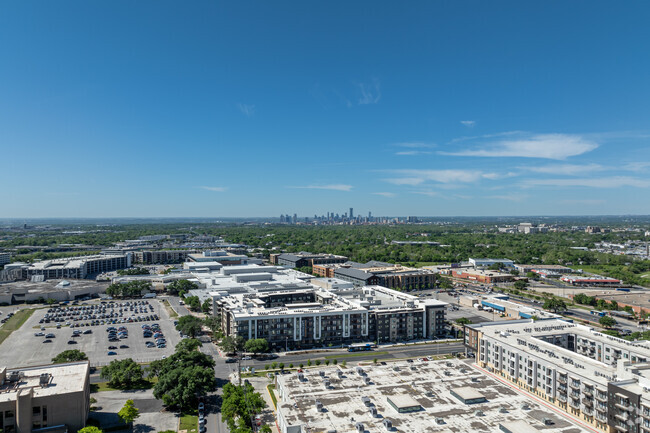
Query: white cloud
point(413, 152)
point(468, 123)
point(565, 169)
point(385, 194)
point(509, 197)
point(428, 193)
point(417, 177)
point(636, 166)
point(248, 110)
point(214, 188)
point(333, 187)
point(370, 92)
point(549, 146)
point(596, 182)
point(416, 145)
point(587, 202)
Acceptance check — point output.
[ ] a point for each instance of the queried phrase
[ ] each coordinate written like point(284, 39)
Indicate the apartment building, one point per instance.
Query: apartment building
point(312, 316)
point(161, 257)
point(601, 380)
point(384, 274)
point(77, 267)
point(51, 398)
point(5, 258)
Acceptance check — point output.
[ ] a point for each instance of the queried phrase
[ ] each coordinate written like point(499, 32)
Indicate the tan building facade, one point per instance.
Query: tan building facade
point(52, 398)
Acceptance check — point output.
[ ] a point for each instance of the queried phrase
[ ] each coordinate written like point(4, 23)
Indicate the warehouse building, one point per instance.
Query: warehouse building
point(51, 398)
point(601, 380)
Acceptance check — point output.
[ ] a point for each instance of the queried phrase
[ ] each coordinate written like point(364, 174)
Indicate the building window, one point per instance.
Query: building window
point(36, 410)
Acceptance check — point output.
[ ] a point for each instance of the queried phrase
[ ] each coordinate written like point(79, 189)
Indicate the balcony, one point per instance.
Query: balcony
point(588, 402)
point(601, 416)
point(601, 397)
point(575, 385)
point(623, 407)
point(621, 428)
point(622, 416)
point(561, 379)
point(574, 403)
point(587, 410)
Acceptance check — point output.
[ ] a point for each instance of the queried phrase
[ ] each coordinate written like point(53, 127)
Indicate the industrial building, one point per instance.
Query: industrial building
point(591, 281)
point(505, 308)
point(440, 396)
point(51, 398)
point(601, 380)
point(557, 269)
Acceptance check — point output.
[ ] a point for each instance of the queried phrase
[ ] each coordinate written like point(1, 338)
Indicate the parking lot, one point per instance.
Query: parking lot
point(25, 348)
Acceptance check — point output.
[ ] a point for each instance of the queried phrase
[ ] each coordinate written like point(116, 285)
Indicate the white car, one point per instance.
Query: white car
point(246, 358)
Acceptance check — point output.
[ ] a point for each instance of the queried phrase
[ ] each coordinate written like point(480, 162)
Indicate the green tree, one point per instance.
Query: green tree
point(230, 344)
point(129, 412)
point(189, 344)
point(193, 303)
point(463, 321)
point(265, 429)
point(520, 285)
point(555, 305)
point(89, 429)
point(123, 374)
point(175, 287)
point(240, 403)
point(607, 321)
point(189, 325)
point(256, 345)
point(214, 324)
point(183, 377)
point(69, 356)
point(206, 306)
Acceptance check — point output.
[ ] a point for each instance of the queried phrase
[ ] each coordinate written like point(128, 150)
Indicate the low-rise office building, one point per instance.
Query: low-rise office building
point(479, 275)
point(51, 398)
point(161, 257)
point(385, 274)
point(481, 263)
point(591, 281)
point(601, 380)
point(5, 258)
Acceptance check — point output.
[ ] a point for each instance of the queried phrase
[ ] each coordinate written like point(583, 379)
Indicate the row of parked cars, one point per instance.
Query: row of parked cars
point(153, 331)
point(116, 335)
point(202, 418)
point(9, 316)
point(100, 314)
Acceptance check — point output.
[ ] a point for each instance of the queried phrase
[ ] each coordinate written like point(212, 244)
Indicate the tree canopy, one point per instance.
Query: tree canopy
point(193, 303)
point(189, 325)
point(132, 289)
point(230, 344)
point(129, 412)
point(239, 406)
point(123, 374)
point(69, 356)
point(555, 304)
point(89, 429)
point(183, 377)
point(607, 321)
point(256, 345)
point(133, 271)
point(178, 286)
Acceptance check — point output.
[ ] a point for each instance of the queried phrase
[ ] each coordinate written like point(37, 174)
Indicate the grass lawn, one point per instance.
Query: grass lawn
point(352, 355)
point(14, 323)
point(189, 423)
point(270, 388)
point(143, 384)
point(172, 314)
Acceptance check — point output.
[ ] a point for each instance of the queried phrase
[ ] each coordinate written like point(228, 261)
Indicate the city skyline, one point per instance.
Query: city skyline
point(215, 109)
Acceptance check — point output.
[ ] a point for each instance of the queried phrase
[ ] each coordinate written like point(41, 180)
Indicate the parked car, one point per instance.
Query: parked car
point(111, 353)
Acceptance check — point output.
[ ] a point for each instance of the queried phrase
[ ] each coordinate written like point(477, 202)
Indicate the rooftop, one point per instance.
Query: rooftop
point(351, 399)
point(58, 379)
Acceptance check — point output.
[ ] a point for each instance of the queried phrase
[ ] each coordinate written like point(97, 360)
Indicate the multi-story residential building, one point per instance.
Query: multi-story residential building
point(601, 380)
point(161, 257)
point(51, 398)
point(384, 274)
point(77, 267)
point(316, 317)
point(302, 259)
point(5, 258)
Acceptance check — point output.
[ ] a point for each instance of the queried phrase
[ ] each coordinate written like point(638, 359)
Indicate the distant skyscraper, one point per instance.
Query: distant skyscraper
point(351, 214)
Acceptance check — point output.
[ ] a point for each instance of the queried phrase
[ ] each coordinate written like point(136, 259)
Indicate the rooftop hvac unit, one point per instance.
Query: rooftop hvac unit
point(319, 406)
point(440, 421)
point(525, 406)
point(366, 401)
point(322, 373)
point(373, 411)
point(503, 410)
point(388, 424)
point(475, 379)
point(340, 374)
point(301, 377)
point(430, 394)
point(360, 371)
point(44, 380)
point(326, 383)
point(447, 373)
point(366, 380)
point(449, 364)
point(478, 413)
point(395, 368)
point(548, 421)
point(14, 376)
point(463, 370)
point(360, 428)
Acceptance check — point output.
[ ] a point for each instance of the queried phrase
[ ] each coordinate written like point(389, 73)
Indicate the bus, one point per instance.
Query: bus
point(361, 347)
point(598, 313)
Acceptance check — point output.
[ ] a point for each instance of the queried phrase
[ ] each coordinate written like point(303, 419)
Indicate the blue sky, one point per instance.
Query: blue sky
point(209, 108)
